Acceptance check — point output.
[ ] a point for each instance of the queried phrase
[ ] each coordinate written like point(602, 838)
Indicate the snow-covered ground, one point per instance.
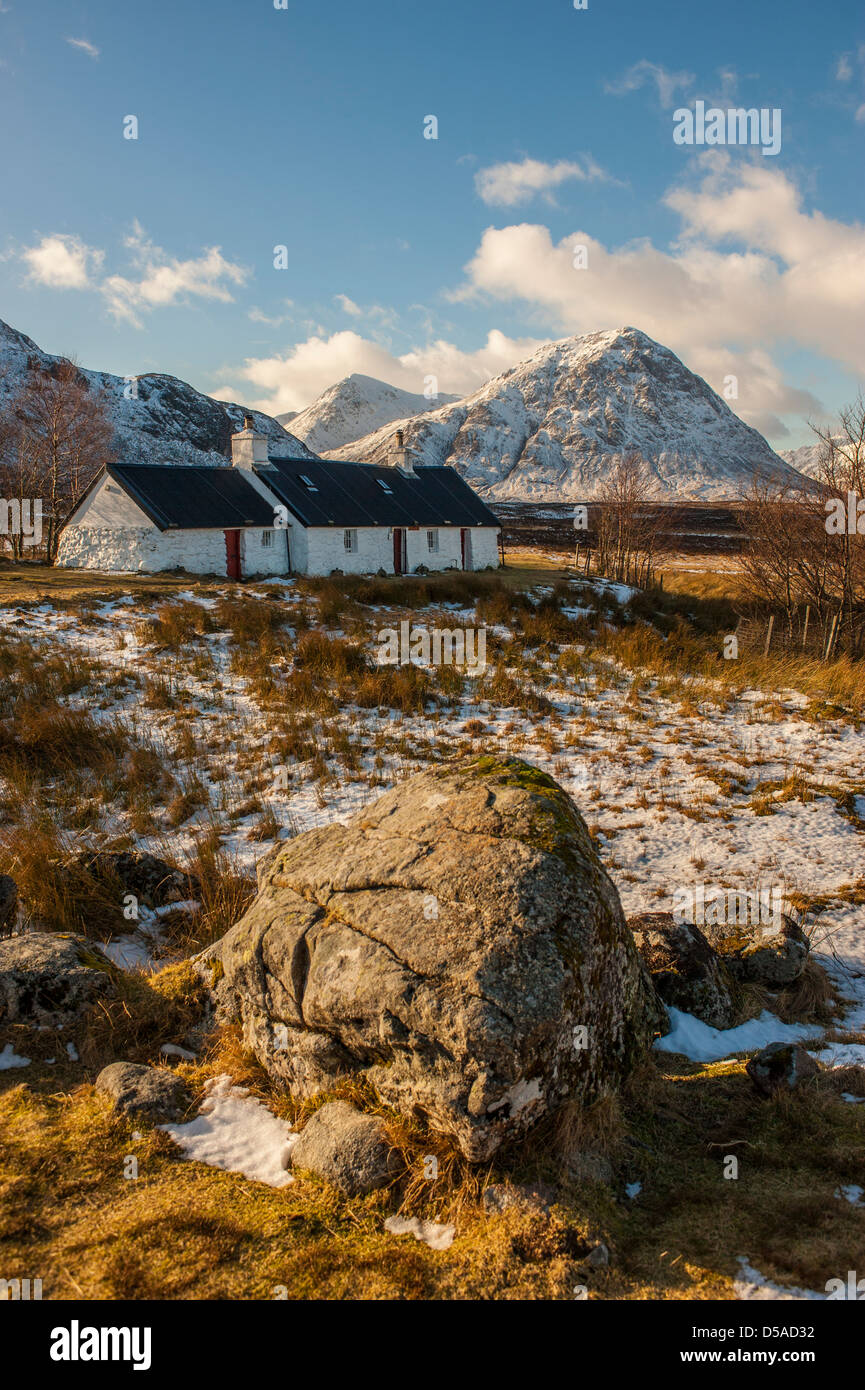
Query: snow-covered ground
point(667, 785)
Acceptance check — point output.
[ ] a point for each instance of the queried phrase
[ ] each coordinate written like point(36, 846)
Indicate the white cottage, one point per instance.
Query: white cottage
point(280, 516)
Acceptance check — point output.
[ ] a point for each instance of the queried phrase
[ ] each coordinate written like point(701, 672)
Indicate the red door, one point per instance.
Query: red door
point(232, 554)
point(398, 550)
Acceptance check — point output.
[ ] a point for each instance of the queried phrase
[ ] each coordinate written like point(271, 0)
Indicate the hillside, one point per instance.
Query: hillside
point(157, 418)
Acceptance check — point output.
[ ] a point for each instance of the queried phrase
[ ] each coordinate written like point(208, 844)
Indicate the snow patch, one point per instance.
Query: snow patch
point(10, 1059)
point(431, 1233)
point(237, 1133)
point(700, 1043)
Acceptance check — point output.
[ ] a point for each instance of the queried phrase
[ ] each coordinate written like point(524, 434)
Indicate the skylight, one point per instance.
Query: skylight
point(308, 483)
point(384, 486)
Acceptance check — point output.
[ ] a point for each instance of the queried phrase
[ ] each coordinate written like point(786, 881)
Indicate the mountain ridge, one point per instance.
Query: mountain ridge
point(356, 406)
point(548, 428)
point(157, 417)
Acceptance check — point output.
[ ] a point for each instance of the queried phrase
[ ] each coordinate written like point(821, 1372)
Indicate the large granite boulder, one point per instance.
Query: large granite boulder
point(47, 978)
point(457, 943)
point(686, 972)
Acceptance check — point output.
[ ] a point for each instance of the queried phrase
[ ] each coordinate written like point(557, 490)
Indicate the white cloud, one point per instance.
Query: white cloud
point(62, 263)
point(852, 65)
point(517, 182)
point(257, 315)
point(293, 380)
point(751, 273)
point(162, 279)
point(348, 306)
point(85, 46)
point(65, 262)
point(667, 83)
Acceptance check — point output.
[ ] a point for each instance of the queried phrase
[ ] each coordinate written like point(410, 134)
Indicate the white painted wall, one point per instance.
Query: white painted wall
point(326, 550)
point(109, 505)
point(485, 547)
point(257, 558)
point(141, 549)
point(147, 550)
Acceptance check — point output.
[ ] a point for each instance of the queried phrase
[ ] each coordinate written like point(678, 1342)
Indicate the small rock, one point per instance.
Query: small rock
point(153, 882)
point(138, 1090)
point(598, 1257)
point(589, 1167)
point(499, 1197)
point(686, 972)
point(49, 979)
point(345, 1148)
point(780, 1067)
point(776, 959)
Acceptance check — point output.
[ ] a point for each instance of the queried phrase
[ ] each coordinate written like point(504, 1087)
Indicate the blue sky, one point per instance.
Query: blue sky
point(303, 127)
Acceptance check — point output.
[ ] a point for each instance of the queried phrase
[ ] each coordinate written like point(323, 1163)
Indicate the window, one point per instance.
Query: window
point(432, 540)
point(349, 539)
point(385, 487)
point(308, 483)
point(266, 538)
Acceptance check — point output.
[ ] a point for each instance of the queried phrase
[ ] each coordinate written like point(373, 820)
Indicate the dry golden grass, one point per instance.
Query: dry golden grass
point(182, 1230)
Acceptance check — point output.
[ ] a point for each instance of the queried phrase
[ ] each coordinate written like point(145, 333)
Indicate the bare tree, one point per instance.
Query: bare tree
point(796, 562)
point(628, 530)
point(841, 463)
point(58, 437)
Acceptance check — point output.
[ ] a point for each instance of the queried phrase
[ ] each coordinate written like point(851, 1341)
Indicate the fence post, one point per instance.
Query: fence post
point(805, 632)
point(768, 642)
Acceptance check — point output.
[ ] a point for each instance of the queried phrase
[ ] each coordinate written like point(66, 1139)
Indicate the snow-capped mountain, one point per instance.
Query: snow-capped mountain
point(805, 459)
point(157, 418)
point(356, 406)
point(548, 428)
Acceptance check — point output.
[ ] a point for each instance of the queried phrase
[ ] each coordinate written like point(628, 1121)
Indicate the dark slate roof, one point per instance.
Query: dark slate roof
point(193, 498)
point(349, 494)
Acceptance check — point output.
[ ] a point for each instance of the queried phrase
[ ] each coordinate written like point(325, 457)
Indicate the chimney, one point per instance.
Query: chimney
point(399, 456)
point(248, 447)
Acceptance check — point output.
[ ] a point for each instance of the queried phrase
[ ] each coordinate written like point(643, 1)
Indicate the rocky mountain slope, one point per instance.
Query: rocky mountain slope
point(157, 418)
point(356, 406)
point(805, 459)
point(548, 428)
